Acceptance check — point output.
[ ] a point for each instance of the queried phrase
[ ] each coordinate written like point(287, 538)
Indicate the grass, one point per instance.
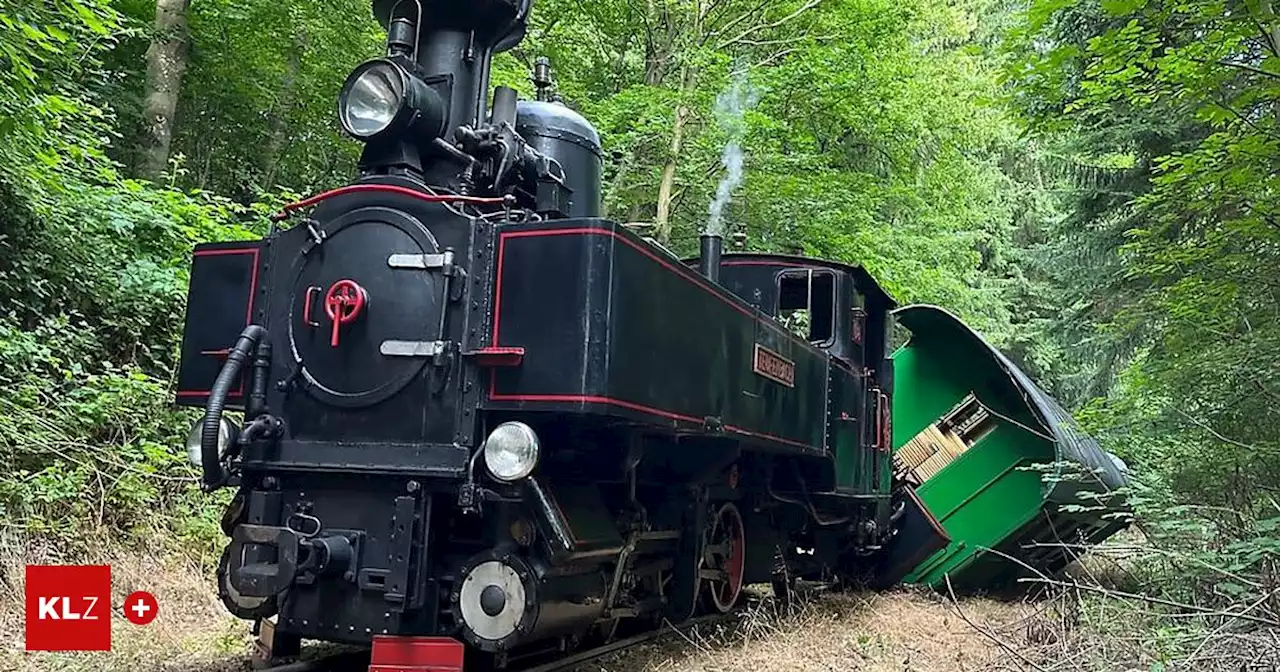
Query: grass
point(192, 631)
point(894, 631)
point(905, 630)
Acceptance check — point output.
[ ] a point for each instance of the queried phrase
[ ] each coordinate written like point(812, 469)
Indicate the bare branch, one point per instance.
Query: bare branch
point(1158, 551)
point(754, 11)
point(768, 26)
point(1200, 611)
point(986, 633)
point(760, 64)
point(1217, 631)
point(1249, 68)
point(788, 40)
point(1199, 423)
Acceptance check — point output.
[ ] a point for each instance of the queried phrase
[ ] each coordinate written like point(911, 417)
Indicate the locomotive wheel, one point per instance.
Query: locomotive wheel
point(723, 559)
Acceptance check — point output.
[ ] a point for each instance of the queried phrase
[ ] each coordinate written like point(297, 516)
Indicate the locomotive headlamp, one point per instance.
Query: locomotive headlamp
point(381, 95)
point(227, 435)
point(511, 451)
point(371, 98)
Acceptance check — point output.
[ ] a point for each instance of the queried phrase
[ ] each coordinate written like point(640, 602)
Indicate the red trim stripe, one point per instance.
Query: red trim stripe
point(763, 262)
point(630, 405)
point(494, 395)
point(681, 271)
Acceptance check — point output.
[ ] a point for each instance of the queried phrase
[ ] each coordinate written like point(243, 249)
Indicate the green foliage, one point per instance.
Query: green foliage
point(45, 118)
point(93, 270)
point(1165, 114)
point(261, 86)
point(877, 139)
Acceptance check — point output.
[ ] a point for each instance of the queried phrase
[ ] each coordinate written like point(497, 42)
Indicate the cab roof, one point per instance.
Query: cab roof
point(865, 281)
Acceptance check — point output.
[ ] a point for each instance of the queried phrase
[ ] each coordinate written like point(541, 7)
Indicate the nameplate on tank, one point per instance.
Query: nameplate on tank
point(773, 366)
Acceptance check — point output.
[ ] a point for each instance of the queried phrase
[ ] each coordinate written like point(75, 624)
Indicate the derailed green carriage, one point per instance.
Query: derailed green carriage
point(1018, 488)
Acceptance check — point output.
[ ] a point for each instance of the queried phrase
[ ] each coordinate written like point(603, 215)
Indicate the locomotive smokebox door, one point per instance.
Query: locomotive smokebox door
point(358, 307)
point(224, 282)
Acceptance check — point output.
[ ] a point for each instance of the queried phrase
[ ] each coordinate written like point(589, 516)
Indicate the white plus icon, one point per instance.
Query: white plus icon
point(141, 608)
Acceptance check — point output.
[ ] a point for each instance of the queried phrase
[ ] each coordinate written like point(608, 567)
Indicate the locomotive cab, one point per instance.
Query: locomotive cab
point(837, 307)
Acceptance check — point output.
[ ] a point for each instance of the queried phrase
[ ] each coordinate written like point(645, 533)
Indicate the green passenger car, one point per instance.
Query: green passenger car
point(996, 460)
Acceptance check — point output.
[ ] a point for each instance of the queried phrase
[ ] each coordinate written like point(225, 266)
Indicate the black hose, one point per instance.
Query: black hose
point(214, 473)
point(256, 404)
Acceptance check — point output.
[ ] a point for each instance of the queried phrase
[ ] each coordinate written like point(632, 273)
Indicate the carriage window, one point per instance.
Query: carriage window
point(806, 304)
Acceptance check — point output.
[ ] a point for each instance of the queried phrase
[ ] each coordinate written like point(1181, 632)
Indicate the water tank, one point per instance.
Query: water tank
point(566, 136)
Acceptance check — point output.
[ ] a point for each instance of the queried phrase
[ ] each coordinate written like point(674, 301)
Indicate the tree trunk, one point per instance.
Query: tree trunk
point(691, 38)
point(662, 221)
point(166, 64)
point(1270, 25)
point(279, 116)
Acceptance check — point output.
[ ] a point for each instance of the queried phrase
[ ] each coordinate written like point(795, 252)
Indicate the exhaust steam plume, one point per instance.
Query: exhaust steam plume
point(730, 110)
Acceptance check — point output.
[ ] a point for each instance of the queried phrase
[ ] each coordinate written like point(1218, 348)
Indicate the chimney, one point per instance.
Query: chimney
point(709, 251)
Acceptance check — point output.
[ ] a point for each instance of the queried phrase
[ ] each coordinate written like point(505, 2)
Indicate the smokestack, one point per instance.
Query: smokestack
point(709, 256)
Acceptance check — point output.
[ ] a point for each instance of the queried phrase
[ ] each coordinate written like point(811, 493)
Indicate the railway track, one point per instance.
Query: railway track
point(358, 661)
point(591, 654)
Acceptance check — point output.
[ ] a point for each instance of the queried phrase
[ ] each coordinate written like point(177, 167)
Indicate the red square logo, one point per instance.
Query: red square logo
point(68, 608)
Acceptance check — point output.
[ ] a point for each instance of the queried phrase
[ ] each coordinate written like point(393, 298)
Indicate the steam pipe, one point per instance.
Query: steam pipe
point(504, 106)
point(214, 474)
point(709, 256)
point(256, 404)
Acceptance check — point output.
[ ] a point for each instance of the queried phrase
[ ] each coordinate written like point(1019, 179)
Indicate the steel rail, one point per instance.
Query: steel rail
point(358, 660)
point(621, 644)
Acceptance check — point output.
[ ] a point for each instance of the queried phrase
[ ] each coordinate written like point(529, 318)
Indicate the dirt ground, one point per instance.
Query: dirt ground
point(900, 631)
point(889, 632)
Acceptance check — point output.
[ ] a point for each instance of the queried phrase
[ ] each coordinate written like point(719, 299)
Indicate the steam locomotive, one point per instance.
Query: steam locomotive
point(468, 407)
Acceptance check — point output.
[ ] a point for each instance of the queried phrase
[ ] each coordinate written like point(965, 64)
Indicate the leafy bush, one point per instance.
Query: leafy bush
point(93, 275)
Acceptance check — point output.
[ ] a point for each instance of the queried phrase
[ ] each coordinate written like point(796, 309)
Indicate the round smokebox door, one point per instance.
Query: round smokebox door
point(347, 301)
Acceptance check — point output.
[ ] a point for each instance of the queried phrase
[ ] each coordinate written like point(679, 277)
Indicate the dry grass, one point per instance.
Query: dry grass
point(192, 630)
point(900, 631)
point(897, 631)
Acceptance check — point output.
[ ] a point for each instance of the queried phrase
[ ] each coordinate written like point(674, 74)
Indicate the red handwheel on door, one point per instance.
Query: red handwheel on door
point(343, 303)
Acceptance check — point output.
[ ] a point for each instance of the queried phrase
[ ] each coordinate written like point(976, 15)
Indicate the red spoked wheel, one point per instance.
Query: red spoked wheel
point(724, 559)
point(343, 303)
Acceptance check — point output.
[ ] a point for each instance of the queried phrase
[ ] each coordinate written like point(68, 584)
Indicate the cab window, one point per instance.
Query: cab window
point(807, 303)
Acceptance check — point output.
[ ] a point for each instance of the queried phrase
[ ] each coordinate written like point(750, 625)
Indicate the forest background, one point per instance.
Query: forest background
point(1092, 184)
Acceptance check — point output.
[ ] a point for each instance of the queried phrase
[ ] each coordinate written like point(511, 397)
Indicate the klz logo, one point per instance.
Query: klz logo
point(68, 608)
point(50, 610)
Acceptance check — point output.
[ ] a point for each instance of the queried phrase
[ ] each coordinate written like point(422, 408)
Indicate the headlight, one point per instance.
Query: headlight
point(511, 451)
point(226, 436)
point(383, 97)
point(371, 99)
